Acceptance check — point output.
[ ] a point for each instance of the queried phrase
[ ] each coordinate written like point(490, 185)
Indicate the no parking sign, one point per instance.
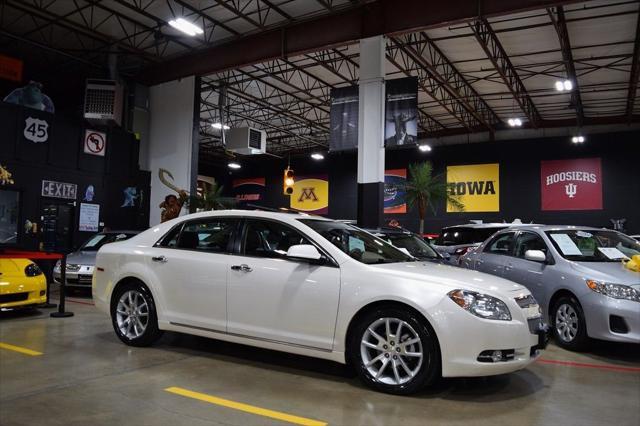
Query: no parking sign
point(95, 143)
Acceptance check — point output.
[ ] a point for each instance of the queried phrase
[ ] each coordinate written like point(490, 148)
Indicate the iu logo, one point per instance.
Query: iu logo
point(308, 194)
point(571, 189)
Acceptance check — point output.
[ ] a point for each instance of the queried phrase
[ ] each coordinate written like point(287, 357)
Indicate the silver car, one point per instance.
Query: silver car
point(575, 273)
point(80, 263)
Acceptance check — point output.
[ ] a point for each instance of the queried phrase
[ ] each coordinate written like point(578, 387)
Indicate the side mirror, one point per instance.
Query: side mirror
point(535, 256)
point(304, 252)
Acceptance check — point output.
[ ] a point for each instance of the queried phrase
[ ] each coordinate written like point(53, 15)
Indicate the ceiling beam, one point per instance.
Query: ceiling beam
point(500, 60)
point(560, 24)
point(362, 21)
point(635, 72)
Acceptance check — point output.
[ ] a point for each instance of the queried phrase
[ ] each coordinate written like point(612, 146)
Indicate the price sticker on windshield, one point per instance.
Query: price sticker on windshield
point(612, 253)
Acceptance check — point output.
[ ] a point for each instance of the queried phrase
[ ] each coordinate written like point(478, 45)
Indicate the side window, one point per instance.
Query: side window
point(210, 235)
point(171, 239)
point(529, 241)
point(500, 244)
point(270, 239)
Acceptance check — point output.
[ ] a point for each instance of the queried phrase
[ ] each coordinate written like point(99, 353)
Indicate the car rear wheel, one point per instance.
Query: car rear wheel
point(395, 351)
point(134, 317)
point(569, 326)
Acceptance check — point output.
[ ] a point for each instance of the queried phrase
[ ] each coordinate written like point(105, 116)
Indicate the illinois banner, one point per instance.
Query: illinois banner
point(394, 181)
point(571, 184)
point(477, 186)
point(248, 190)
point(311, 194)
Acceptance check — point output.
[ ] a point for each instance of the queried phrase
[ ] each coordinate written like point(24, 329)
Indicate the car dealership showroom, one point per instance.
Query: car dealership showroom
point(319, 212)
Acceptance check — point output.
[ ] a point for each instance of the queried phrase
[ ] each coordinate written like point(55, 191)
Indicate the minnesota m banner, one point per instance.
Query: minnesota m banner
point(311, 194)
point(477, 186)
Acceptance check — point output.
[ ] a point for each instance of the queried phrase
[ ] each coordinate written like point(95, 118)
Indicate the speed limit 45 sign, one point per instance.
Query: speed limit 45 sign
point(95, 143)
point(36, 130)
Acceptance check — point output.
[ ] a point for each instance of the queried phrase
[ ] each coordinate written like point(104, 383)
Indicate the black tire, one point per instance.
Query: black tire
point(576, 340)
point(150, 333)
point(425, 373)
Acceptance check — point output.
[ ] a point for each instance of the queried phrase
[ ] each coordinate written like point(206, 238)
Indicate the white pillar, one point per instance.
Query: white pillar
point(371, 116)
point(172, 139)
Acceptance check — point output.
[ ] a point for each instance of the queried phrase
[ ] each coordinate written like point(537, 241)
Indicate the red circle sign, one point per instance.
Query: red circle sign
point(94, 143)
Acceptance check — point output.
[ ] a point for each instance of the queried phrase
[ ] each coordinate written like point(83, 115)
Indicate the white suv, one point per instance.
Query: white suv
point(316, 287)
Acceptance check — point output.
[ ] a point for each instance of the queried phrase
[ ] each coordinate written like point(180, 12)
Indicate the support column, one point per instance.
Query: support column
point(371, 133)
point(173, 138)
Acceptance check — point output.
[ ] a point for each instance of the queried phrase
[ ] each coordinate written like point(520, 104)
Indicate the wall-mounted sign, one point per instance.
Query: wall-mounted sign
point(53, 189)
point(477, 186)
point(95, 143)
point(394, 193)
point(36, 130)
point(89, 217)
point(10, 68)
point(311, 194)
point(571, 184)
point(249, 190)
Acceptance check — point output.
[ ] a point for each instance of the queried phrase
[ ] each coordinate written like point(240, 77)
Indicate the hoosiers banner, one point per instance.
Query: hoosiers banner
point(311, 194)
point(477, 186)
point(394, 193)
point(571, 184)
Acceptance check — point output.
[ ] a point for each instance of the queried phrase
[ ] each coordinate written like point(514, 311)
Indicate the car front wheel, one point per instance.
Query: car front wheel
point(569, 325)
point(134, 317)
point(395, 351)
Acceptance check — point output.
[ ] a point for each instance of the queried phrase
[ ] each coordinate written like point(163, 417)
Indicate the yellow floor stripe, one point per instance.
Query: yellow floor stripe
point(245, 407)
point(19, 349)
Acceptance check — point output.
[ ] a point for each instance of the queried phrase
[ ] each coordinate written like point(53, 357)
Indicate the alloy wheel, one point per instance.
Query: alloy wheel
point(132, 314)
point(566, 322)
point(391, 351)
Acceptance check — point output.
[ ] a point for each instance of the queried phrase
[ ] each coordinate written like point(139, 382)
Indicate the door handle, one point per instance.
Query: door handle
point(244, 268)
point(160, 259)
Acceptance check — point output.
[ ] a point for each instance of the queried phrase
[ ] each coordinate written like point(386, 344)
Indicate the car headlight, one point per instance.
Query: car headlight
point(481, 305)
point(57, 265)
point(32, 270)
point(615, 291)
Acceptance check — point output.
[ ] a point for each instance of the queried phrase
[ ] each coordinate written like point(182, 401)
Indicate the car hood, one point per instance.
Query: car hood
point(451, 276)
point(612, 272)
point(82, 257)
point(13, 267)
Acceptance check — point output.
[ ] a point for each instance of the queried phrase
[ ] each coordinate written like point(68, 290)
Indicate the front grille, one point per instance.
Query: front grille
point(534, 325)
point(526, 301)
point(71, 267)
point(14, 297)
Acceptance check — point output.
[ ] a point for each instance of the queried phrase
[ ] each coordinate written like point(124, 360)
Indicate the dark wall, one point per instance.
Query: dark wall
point(519, 179)
point(62, 159)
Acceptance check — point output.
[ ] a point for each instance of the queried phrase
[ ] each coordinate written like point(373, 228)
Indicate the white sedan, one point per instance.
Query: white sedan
point(316, 287)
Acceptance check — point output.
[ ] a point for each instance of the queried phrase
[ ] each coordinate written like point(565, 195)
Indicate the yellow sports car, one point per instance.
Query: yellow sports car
point(22, 284)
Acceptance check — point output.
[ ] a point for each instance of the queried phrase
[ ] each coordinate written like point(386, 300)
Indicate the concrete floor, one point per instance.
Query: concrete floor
point(87, 377)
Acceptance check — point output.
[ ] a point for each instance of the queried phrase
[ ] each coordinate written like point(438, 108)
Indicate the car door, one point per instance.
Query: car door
point(274, 298)
point(526, 272)
point(191, 264)
point(495, 253)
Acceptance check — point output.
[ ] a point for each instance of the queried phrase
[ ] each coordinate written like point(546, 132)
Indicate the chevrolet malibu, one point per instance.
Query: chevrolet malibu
point(320, 288)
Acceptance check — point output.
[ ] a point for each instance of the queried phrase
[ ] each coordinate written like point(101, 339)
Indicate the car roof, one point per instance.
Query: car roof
point(389, 230)
point(122, 231)
point(488, 225)
point(284, 216)
point(545, 228)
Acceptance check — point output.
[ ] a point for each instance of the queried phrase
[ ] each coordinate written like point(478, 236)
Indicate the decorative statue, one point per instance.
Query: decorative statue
point(31, 96)
point(89, 193)
point(5, 176)
point(618, 224)
point(130, 195)
point(172, 204)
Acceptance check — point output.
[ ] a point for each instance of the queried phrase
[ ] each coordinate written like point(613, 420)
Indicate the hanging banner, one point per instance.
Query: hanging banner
point(477, 186)
point(344, 118)
point(89, 217)
point(401, 112)
point(95, 143)
point(394, 193)
point(10, 68)
point(311, 194)
point(571, 184)
point(248, 190)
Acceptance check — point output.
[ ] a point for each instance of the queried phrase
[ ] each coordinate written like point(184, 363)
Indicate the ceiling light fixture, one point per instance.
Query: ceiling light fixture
point(186, 27)
point(317, 156)
point(564, 86)
point(424, 148)
point(514, 122)
point(219, 126)
point(577, 139)
point(234, 166)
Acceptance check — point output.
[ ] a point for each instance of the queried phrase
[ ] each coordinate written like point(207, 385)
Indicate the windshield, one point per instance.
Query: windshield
point(593, 246)
point(414, 244)
point(94, 243)
point(460, 235)
point(357, 243)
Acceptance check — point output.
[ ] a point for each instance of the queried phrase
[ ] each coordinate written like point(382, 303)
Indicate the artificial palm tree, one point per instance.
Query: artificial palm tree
point(211, 200)
point(423, 189)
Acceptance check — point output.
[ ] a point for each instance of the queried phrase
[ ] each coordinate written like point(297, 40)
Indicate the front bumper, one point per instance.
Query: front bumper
point(81, 277)
point(611, 319)
point(25, 292)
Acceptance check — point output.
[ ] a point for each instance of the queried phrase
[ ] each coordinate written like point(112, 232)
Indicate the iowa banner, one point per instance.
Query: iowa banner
point(477, 186)
point(394, 181)
point(311, 194)
point(571, 184)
